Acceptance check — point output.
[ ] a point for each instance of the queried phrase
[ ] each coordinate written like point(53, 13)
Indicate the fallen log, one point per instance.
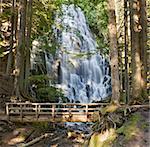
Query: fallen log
point(114, 107)
point(135, 106)
point(34, 140)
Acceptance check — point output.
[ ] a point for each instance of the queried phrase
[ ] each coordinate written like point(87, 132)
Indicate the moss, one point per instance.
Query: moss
point(130, 128)
point(109, 109)
point(123, 97)
point(104, 139)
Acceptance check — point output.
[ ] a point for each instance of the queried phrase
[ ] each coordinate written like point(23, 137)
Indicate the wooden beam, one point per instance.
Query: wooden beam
point(69, 104)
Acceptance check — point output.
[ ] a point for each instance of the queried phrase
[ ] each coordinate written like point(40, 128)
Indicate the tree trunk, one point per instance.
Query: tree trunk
point(135, 28)
point(1, 12)
point(126, 41)
point(120, 34)
point(19, 65)
point(113, 52)
point(10, 56)
point(28, 44)
point(143, 43)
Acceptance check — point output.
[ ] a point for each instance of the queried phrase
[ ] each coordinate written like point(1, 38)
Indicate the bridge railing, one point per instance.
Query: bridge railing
point(51, 110)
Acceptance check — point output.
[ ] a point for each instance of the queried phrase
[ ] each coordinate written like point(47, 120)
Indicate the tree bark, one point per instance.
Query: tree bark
point(126, 41)
point(120, 36)
point(10, 56)
point(19, 65)
point(113, 52)
point(135, 28)
point(28, 44)
point(1, 12)
point(143, 44)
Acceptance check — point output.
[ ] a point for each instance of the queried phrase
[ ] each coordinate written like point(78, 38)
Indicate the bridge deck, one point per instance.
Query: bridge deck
point(52, 112)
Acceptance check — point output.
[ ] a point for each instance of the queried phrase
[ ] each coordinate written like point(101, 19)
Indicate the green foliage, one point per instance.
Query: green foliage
point(4, 19)
point(39, 79)
point(50, 94)
point(43, 14)
point(44, 92)
point(5, 16)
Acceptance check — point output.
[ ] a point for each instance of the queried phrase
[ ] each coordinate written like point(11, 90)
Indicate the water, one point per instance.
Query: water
point(82, 72)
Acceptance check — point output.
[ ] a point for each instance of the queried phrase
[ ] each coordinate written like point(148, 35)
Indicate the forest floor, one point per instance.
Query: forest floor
point(136, 131)
point(14, 134)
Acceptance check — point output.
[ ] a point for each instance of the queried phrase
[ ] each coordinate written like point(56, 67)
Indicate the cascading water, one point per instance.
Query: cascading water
point(83, 73)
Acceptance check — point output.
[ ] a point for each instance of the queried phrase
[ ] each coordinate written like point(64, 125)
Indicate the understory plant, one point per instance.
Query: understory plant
point(43, 91)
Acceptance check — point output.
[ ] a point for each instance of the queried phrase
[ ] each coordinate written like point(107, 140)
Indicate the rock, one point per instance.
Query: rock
point(16, 132)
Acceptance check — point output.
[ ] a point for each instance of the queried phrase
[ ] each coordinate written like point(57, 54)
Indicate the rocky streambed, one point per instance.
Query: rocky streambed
point(44, 134)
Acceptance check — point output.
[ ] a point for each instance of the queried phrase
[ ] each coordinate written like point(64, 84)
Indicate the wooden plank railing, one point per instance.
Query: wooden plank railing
point(54, 112)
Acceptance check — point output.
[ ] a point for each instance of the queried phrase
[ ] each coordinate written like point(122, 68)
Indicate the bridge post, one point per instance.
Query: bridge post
point(86, 112)
point(21, 113)
point(53, 111)
point(7, 110)
point(36, 110)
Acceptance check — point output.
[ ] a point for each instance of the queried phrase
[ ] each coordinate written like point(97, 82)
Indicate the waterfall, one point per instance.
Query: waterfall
point(83, 73)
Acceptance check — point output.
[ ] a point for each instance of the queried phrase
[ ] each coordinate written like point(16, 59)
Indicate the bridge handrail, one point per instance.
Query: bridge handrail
point(25, 103)
point(51, 109)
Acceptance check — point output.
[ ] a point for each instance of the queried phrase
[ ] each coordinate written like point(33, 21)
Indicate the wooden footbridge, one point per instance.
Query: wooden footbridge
point(52, 112)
